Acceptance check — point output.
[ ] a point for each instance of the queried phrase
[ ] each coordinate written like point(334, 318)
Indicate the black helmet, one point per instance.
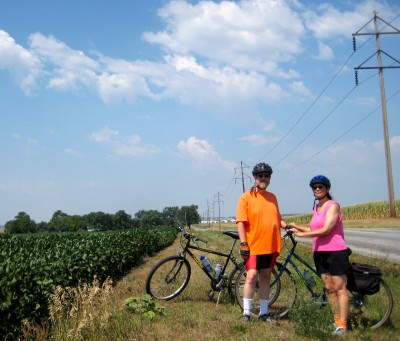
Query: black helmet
point(320, 179)
point(262, 168)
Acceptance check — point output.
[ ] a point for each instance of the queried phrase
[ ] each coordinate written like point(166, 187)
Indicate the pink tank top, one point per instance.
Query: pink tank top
point(333, 241)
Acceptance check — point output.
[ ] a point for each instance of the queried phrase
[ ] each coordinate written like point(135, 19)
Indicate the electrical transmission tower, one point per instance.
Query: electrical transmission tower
point(218, 200)
point(243, 175)
point(379, 52)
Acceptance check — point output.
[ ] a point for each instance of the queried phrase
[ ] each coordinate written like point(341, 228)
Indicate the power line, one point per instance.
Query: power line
point(320, 122)
point(344, 134)
point(319, 96)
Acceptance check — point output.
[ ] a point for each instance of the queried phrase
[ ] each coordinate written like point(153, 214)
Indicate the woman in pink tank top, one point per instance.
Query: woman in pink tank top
point(330, 251)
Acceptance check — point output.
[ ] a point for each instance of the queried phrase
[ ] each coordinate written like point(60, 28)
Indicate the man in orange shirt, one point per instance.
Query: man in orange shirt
point(258, 221)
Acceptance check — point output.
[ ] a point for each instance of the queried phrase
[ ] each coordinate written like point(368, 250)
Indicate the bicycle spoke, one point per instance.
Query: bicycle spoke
point(286, 295)
point(168, 278)
point(282, 293)
point(371, 311)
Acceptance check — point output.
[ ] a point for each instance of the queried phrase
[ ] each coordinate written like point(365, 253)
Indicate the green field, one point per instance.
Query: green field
point(34, 266)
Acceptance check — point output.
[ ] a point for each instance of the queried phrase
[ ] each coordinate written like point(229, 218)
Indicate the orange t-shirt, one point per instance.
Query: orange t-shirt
point(260, 214)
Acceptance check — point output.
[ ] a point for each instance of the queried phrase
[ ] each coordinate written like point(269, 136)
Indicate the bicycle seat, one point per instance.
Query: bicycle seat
point(232, 234)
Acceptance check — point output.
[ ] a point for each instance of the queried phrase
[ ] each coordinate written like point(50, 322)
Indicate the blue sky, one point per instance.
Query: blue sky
point(142, 105)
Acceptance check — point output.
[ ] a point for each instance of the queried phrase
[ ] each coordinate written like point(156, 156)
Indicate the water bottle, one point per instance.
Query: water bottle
point(309, 278)
point(217, 270)
point(206, 263)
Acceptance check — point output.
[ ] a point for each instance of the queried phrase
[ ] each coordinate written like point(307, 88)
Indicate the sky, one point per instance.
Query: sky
point(141, 105)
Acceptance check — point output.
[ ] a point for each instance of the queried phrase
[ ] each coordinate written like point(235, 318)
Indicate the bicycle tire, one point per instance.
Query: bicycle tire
point(371, 311)
point(168, 278)
point(232, 281)
point(282, 293)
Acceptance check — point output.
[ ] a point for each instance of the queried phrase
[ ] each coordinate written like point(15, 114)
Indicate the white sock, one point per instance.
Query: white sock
point(263, 307)
point(247, 305)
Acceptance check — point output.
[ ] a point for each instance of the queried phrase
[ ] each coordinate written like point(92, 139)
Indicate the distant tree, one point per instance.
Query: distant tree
point(42, 227)
point(149, 218)
point(21, 224)
point(170, 215)
point(62, 222)
point(122, 220)
point(188, 215)
point(99, 221)
point(58, 221)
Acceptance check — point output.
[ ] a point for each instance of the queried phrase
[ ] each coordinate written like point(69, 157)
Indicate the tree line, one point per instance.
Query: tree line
point(100, 221)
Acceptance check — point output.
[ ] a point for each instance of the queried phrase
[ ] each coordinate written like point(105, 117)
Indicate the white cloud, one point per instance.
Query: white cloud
point(24, 65)
point(366, 101)
point(32, 142)
point(220, 57)
point(394, 144)
point(123, 145)
point(26, 187)
point(327, 22)
point(325, 52)
point(298, 88)
point(256, 139)
point(71, 67)
point(203, 154)
point(72, 152)
point(255, 35)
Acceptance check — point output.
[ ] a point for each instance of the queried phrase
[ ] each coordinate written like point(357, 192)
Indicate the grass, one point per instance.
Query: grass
point(101, 314)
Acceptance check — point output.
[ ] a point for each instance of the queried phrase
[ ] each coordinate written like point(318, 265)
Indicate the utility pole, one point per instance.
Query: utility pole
point(243, 175)
point(208, 214)
point(219, 208)
point(392, 204)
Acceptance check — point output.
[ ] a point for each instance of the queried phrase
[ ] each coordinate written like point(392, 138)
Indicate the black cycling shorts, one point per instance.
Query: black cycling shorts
point(335, 263)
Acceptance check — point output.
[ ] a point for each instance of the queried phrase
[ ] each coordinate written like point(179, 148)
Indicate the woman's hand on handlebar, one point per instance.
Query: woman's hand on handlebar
point(286, 226)
point(292, 228)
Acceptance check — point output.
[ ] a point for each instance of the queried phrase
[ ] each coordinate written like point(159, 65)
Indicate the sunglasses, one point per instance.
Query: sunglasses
point(318, 187)
point(263, 175)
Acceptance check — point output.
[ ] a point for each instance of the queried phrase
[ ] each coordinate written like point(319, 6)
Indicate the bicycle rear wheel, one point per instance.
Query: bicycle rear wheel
point(168, 278)
point(371, 311)
point(281, 297)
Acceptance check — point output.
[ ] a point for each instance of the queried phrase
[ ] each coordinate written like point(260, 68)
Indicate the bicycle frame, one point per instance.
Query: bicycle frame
point(215, 282)
point(289, 260)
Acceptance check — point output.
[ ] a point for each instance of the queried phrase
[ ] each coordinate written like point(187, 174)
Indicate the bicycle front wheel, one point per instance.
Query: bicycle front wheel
point(232, 281)
point(284, 298)
point(371, 311)
point(168, 278)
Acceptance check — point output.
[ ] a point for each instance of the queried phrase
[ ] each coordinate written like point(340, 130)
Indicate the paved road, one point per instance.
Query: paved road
point(374, 242)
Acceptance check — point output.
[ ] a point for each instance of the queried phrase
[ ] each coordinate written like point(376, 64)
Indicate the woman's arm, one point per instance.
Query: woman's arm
point(293, 227)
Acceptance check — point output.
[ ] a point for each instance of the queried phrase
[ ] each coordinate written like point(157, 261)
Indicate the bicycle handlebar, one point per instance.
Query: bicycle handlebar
point(189, 236)
point(289, 234)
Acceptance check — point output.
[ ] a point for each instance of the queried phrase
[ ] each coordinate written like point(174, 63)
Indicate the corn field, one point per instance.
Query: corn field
point(371, 210)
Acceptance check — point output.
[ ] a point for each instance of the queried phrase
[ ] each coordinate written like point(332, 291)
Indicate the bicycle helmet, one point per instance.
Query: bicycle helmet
point(320, 179)
point(262, 168)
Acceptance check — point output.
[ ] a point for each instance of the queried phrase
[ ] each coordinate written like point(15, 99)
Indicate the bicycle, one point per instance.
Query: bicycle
point(169, 277)
point(370, 311)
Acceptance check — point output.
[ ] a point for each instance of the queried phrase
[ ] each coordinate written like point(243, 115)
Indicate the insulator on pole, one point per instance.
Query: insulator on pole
point(354, 44)
point(356, 76)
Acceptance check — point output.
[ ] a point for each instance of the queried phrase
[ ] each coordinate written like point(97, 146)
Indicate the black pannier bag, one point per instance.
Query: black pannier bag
point(364, 279)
